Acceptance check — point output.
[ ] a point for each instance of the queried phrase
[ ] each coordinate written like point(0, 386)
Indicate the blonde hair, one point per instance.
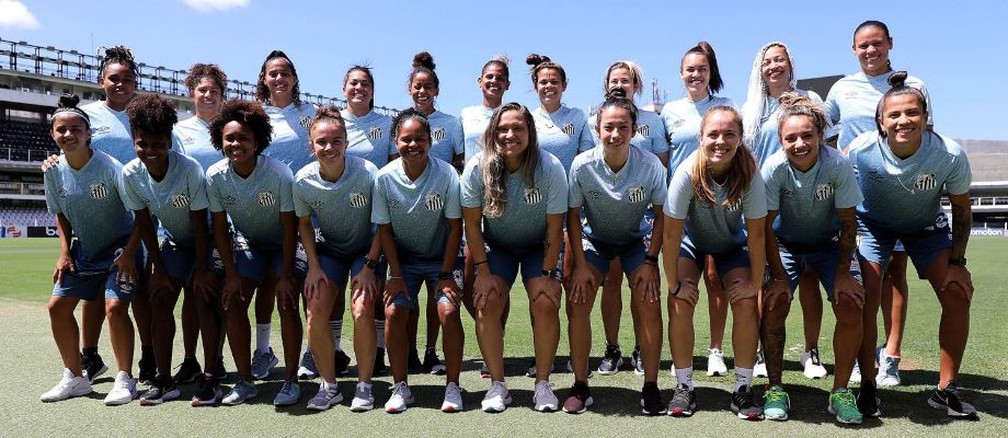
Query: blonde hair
point(754, 111)
point(740, 171)
point(636, 75)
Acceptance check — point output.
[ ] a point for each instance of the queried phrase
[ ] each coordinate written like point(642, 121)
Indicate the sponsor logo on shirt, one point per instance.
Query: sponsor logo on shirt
point(941, 221)
point(824, 192)
point(266, 198)
point(230, 200)
point(875, 175)
point(180, 200)
point(101, 130)
point(851, 95)
point(305, 122)
point(533, 196)
point(438, 134)
point(374, 133)
point(925, 181)
point(636, 195)
point(358, 200)
point(568, 129)
point(394, 204)
point(99, 191)
point(644, 130)
point(434, 202)
point(594, 195)
point(62, 193)
point(317, 204)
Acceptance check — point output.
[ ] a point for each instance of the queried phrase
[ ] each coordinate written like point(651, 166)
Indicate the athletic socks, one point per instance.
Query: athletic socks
point(743, 377)
point(263, 337)
point(380, 332)
point(684, 376)
point(337, 332)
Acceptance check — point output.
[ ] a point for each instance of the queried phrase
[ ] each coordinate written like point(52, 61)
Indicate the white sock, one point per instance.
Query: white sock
point(337, 332)
point(743, 377)
point(263, 337)
point(684, 376)
point(380, 331)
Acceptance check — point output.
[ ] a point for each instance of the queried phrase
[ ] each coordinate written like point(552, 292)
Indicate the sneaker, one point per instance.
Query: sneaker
point(452, 398)
point(262, 363)
point(240, 393)
point(187, 371)
point(484, 371)
point(888, 371)
point(379, 363)
point(123, 390)
point(715, 363)
point(776, 404)
point(431, 363)
point(93, 366)
point(162, 390)
point(290, 394)
point(650, 400)
point(68, 386)
point(743, 406)
point(612, 360)
point(570, 368)
point(636, 362)
point(855, 375)
point(532, 371)
point(683, 402)
point(759, 369)
point(579, 399)
point(544, 400)
point(868, 400)
point(220, 373)
point(814, 368)
point(209, 392)
point(952, 401)
point(400, 399)
point(497, 398)
point(363, 398)
point(307, 369)
point(843, 404)
point(413, 363)
point(342, 362)
point(148, 369)
point(328, 396)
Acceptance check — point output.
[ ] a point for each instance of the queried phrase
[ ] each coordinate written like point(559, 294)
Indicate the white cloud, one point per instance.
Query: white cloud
point(214, 5)
point(15, 14)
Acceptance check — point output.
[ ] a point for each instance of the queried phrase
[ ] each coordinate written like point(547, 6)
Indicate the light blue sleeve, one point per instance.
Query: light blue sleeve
point(961, 176)
point(50, 178)
point(772, 185)
point(754, 201)
point(680, 193)
point(848, 194)
point(458, 136)
point(197, 186)
point(286, 185)
point(659, 191)
point(392, 149)
point(301, 207)
point(117, 175)
point(453, 208)
point(213, 196)
point(379, 203)
point(831, 106)
point(586, 141)
point(472, 185)
point(660, 139)
point(131, 199)
point(556, 199)
point(575, 199)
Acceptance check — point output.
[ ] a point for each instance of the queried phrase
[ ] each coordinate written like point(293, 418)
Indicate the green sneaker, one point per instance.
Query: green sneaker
point(843, 404)
point(776, 404)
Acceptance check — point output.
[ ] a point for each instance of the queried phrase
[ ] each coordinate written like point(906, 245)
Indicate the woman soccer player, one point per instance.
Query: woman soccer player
point(83, 191)
point(493, 81)
point(416, 207)
point(254, 191)
point(718, 197)
point(513, 200)
point(561, 130)
point(336, 189)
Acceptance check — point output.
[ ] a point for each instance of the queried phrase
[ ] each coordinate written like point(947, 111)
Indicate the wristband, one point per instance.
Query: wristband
point(370, 263)
point(553, 273)
point(955, 261)
point(651, 258)
point(479, 263)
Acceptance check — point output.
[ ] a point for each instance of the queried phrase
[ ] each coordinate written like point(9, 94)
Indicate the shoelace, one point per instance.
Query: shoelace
point(814, 356)
point(845, 399)
point(776, 396)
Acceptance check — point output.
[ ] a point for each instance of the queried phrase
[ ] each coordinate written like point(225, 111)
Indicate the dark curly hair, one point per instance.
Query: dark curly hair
point(212, 71)
point(151, 113)
point(406, 115)
point(119, 55)
point(248, 113)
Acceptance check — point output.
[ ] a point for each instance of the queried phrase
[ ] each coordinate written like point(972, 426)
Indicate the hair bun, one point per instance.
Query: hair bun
point(898, 79)
point(67, 100)
point(616, 92)
point(503, 59)
point(792, 99)
point(424, 60)
point(536, 59)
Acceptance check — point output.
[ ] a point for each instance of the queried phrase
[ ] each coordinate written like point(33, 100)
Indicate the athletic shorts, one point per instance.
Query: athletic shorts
point(878, 243)
point(504, 262)
point(97, 275)
point(180, 261)
point(823, 261)
point(600, 255)
point(417, 273)
point(254, 261)
point(723, 262)
point(340, 269)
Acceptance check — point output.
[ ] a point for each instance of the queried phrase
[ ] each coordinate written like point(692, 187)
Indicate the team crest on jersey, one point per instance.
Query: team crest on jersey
point(317, 204)
point(644, 130)
point(734, 206)
point(824, 192)
point(266, 198)
point(438, 134)
point(305, 122)
point(925, 181)
point(636, 195)
point(594, 194)
point(434, 202)
point(533, 196)
point(875, 175)
point(374, 134)
point(358, 200)
point(568, 129)
point(99, 191)
point(180, 200)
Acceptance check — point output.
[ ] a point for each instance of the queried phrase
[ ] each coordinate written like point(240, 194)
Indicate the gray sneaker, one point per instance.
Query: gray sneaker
point(241, 392)
point(307, 369)
point(263, 363)
point(328, 396)
point(363, 398)
point(290, 393)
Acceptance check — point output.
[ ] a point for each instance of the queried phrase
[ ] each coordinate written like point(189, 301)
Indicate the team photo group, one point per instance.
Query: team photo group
point(251, 208)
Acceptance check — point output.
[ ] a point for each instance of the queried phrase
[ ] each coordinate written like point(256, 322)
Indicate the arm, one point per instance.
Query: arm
point(65, 263)
point(648, 273)
point(232, 289)
point(755, 238)
point(286, 291)
point(484, 284)
point(365, 283)
point(962, 221)
point(778, 286)
point(446, 282)
point(845, 284)
point(316, 280)
point(396, 284)
point(672, 231)
point(547, 285)
point(143, 226)
point(581, 280)
point(204, 281)
point(125, 265)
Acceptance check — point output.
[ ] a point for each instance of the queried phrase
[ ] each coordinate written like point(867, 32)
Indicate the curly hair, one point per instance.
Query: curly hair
point(199, 71)
point(118, 55)
point(248, 113)
point(151, 113)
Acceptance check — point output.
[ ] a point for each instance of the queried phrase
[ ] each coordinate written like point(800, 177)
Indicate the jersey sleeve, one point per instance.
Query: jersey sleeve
point(754, 201)
point(848, 193)
point(51, 181)
point(773, 187)
point(556, 198)
point(458, 137)
point(286, 184)
point(659, 191)
point(213, 196)
point(586, 141)
point(453, 208)
point(659, 138)
point(961, 175)
point(680, 192)
point(131, 198)
point(575, 196)
point(301, 207)
point(379, 202)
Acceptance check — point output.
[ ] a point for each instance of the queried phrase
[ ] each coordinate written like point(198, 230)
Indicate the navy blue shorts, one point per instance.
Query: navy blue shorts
point(878, 243)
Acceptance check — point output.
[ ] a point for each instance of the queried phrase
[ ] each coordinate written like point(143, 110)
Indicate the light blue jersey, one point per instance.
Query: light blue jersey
point(289, 143)
point(475, 120)
point(614, 203)
point(806, 202)
point(563, 133)
point(254, 203)
point(343, 207)
point(650, 136)
point(682, 122)
point(713, 228)
point(418, 210)
point(181, 191)
point(904, 195)
point(447, 139)
point(110, 131)
point(191, 137)
point(767, 140)
point(370, 137)
point(90, 198)
point(523, 222)
point(852, 101)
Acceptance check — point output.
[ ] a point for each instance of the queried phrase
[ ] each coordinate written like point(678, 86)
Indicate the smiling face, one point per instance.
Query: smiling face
point(776, 68)
point(720, 138)
point(280, 81)
point(70, 133)
point(494, 82)
point(208, 97)
point(695, 73)
point(152, 150)
point(328, 142)
point(119, 84)
point(871, 47)
point(413, 142)
point(903, 119)
point(800, 140)
point(239, 145)
point(615, 128)
point(550, 87)
point(622, 78)
point(423, 90)
point(512, 135)
point(358, 89)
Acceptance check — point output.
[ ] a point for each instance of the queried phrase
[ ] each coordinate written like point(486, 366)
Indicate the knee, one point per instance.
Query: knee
point(953, 299)
point(396, 313)
point(447, 312)
point(847, 313)
point(59, 307)
point(544, 308)
point(116, 309)
point(361, 312)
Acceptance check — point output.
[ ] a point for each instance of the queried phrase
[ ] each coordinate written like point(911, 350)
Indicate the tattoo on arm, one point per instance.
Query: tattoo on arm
point(848, 240)
point(962, 221)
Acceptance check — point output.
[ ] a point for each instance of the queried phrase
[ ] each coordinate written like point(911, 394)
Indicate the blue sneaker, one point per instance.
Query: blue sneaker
point(241, 392)
point(888, 371)
point(262, 363)
point(290, 393)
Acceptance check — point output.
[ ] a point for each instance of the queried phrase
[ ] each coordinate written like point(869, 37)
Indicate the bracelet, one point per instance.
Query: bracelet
point(446, 275)
point(395, 277)
point(651, 258)
point(479, 263)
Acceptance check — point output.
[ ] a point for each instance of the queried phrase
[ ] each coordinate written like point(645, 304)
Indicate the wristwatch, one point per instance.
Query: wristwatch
point(957, 261)
point(370, 263)
point(554, 274)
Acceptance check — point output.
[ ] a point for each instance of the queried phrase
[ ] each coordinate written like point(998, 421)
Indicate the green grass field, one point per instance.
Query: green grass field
point(31, 365)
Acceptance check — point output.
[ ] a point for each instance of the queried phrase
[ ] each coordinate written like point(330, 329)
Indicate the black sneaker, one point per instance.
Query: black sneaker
point(93, 366)
point(414, 364)
point(162, 390)
point(187, 371)
point(742, 404)
point(379, 363)
point(612, 360)
point(868, 400)
point(431, 363)
point(636, 362)
point(342, 362)
point(951, 401)
point(484, 371)
point(220, 373)
point(683, 402)
point(650, 400)
point(148, 368)
point(209, 393)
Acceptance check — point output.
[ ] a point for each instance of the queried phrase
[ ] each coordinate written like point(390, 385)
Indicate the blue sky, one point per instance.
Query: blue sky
point(957, 48)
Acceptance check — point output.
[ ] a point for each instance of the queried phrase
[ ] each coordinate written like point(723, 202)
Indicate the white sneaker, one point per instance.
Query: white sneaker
point(68, 386)
point(497, 398)
point(814, 368)
point(544, 398)
point(400, 399)
point(855, 375)
point(123, 390)
point(363, 398)
point(452, 398)
point(715, 363)
point(759, 370)
point(888, 370)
